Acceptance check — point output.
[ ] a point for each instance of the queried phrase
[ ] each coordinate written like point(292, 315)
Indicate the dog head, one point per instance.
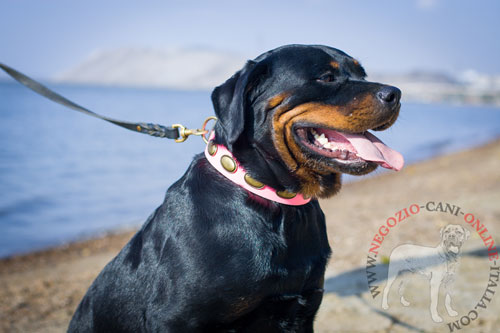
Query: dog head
point(452, 237)
point(298, 116)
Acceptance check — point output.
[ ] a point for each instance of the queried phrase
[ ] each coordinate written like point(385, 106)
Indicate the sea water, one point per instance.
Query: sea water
point(65, 175)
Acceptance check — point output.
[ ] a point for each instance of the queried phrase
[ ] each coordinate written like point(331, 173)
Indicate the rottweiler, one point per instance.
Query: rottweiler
point(217, 257)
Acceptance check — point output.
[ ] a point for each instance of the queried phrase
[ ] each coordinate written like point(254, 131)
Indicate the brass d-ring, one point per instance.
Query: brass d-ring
point(203, 136)
point(185, 132)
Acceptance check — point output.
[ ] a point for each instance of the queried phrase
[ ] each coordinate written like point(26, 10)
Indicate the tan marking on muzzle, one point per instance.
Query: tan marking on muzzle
point(355, 117)
point(275, 101)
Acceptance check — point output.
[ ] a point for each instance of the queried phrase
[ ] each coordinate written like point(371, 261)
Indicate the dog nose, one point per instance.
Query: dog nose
point(389, 95)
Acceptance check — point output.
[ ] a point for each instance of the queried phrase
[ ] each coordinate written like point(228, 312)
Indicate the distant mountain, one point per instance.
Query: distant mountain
point(203, 69)
point(186, 69)
point(418, 76)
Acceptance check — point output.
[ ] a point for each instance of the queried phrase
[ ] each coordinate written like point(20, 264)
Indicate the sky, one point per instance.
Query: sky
point(43, 38)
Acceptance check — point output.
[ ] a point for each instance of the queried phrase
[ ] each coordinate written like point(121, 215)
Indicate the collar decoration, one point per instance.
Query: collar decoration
point(224, 162)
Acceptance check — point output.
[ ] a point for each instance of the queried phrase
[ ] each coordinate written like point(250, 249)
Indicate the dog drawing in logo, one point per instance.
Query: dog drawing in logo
point(438, 264)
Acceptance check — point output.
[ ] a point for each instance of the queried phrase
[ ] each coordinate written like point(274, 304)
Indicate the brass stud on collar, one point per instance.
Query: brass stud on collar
point(286, 195)
point(212, 148)
point(228, 163)
point(253, 182)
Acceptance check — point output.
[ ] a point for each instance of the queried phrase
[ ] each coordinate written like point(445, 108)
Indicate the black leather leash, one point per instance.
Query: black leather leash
point(176, 132)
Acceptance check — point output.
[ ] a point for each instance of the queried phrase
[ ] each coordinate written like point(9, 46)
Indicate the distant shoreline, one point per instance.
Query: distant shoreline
point(413, 92)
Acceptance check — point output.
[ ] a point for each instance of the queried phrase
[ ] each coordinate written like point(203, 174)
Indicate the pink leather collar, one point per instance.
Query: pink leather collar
point(224, 161)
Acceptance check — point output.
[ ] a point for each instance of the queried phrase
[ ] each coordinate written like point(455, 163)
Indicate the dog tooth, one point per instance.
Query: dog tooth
point(322, 140)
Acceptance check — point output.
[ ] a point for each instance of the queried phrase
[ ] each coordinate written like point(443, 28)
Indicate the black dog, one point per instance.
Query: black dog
point(215, 257)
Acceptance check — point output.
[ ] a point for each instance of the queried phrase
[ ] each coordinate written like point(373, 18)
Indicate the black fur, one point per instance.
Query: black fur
point(214, 257)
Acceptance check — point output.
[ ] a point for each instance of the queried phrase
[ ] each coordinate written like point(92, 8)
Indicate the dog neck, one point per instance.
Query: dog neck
point(224, 162)
point(450, 256)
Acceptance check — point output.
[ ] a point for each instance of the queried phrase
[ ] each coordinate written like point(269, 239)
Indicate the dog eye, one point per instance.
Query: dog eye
point(326, 78)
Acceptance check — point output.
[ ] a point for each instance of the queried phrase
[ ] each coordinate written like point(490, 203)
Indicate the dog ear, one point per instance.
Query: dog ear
point(230, 101)
point(467, 233)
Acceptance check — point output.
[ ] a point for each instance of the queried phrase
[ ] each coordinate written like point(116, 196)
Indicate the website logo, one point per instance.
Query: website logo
point(411, 268)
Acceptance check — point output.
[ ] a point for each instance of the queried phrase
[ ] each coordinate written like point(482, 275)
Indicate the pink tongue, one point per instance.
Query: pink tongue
point(370, 148)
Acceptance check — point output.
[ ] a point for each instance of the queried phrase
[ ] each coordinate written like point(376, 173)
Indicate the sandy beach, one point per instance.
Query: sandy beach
point(39, 291)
